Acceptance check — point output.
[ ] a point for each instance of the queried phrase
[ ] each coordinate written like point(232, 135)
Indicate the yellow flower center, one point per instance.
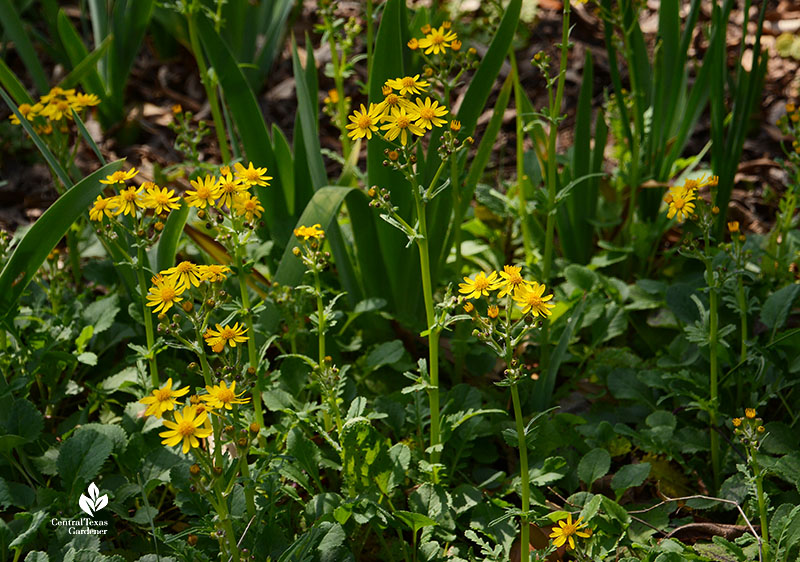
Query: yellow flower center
point(481, 284)
point(250, 175)
point(426, 113)
point(163, 394)
point(403, 121)
point(62, 105)
point(568, 530)
point(364, 121)
point(679, 203)
point(186, 428)
point(226, 395)
point(129, 195)
point(250, 205)
point(392, 99)
point(167, 293)
point(185, 267)
point(227, 333)
point(515, 279)
point(229, 187)
point(533, 301)
point(203, 192)
point(161, 198)
point(407, 82)
point(437, 38)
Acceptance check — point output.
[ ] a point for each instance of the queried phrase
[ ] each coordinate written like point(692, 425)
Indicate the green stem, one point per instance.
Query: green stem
point(762, 511)
point(433, 332)
point(74, 258)
point(211, 92)
point(320, 319)
point(215, 422)
point(251, 340)
point(523, 474)
point(742, 318)
point(225, 519)
point(713, 375)
point(147, 316)
point(370, 34)
point(338, 80)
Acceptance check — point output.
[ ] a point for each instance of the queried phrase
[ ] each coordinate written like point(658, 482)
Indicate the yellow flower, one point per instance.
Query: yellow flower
point(511, 279)
point(413, 44)
point(391, 101)
point(750, 413)
point(206, 191)
point(214, 272)
point(102, 206)
point(220, 396)
point(183, 275)
point(437, 41)
point(363, 123)
point(681, 202)
point(57, 110)
point(425, 28)
point(27, 112)
point(493, 311)
point(252, 176)
point(247, 206)
point(480, 286)
point(399, 123)
point(455, 45)
point(733, 226)
point(160, 199)
point(163, 294)
point(468, 307)
point(408, 85)
point(187, 427)
point(127, 201)
point(56, 92)
point(428, 114)
point(81, 100)
point(120, 176)
point(565, 532)
point(216, 339)
point(530, 299)
point(333, 96)
point(163, 399)
point(306, 232)
point(229, 188)
point(737, 422)
point(455, 125)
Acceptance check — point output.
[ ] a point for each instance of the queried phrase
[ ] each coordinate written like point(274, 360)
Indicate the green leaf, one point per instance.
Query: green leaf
point(304, 451)
point(37, 556)
point(170, 238)
point(36, 520)
point(15, 31)
point(307, 113)
point(630, 476)
point(43, 236)
point(87, 66)
point(81, 457)
point(414, 521)
point(616, 511)
point(10, 82)
point(594, 465)
point(22, 423)
point(386, 353)
point(777, 306)
point(15, 494)
point(580, 276)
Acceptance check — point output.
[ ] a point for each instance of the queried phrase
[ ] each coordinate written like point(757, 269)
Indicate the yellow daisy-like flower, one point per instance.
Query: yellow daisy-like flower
point(103, 206)
point(206, 192)
point(428, 114)
point(480, 286)
point(57, 110)
point(364, 123)
point(81, 100)
point(493, 311)
point(306, 232)
point(566, 531)
point(251, 176)
point(163, 399)
point(163, 294)
point(531, 300)
point(161, 199)
point(681, 204)
point(437, 41)
point(220, 396)
point(737, 422)
point(510, 280)
point(733, 226)
point(247, 206)
point(229, 188)
point(127, 201)
point(183, 275)
point(56, 92)
point(214, 272)
point(391, 101)
point(27, 112)
point(408, 84)
point(231, 335)
point(120, 176)
point(750, 413)
point(399, 123)
point(187, 427)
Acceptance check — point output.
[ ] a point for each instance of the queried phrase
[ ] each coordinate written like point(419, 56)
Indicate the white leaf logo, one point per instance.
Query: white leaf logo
point(94, 502)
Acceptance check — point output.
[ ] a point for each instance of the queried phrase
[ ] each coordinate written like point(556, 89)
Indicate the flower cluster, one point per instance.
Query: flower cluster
point(436, 40)
point(567, 530)
point(55, 107)
point(310, 249)
point(191, 423)
point(528, 295)
point(681, 199)
point(749, 429)
point(397, 114)
point(230, 189)
point(789, 125)
point(170, 284)
point(132, 198)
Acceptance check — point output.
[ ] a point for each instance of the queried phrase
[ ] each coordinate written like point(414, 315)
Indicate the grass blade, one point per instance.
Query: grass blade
point(170, 237)
point(87, 137)
point(10, 82)
point(43, 236)
point(87, 65)
point(15, 30)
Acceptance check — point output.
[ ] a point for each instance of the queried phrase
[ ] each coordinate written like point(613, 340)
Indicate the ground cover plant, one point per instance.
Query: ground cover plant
point(394, 280)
